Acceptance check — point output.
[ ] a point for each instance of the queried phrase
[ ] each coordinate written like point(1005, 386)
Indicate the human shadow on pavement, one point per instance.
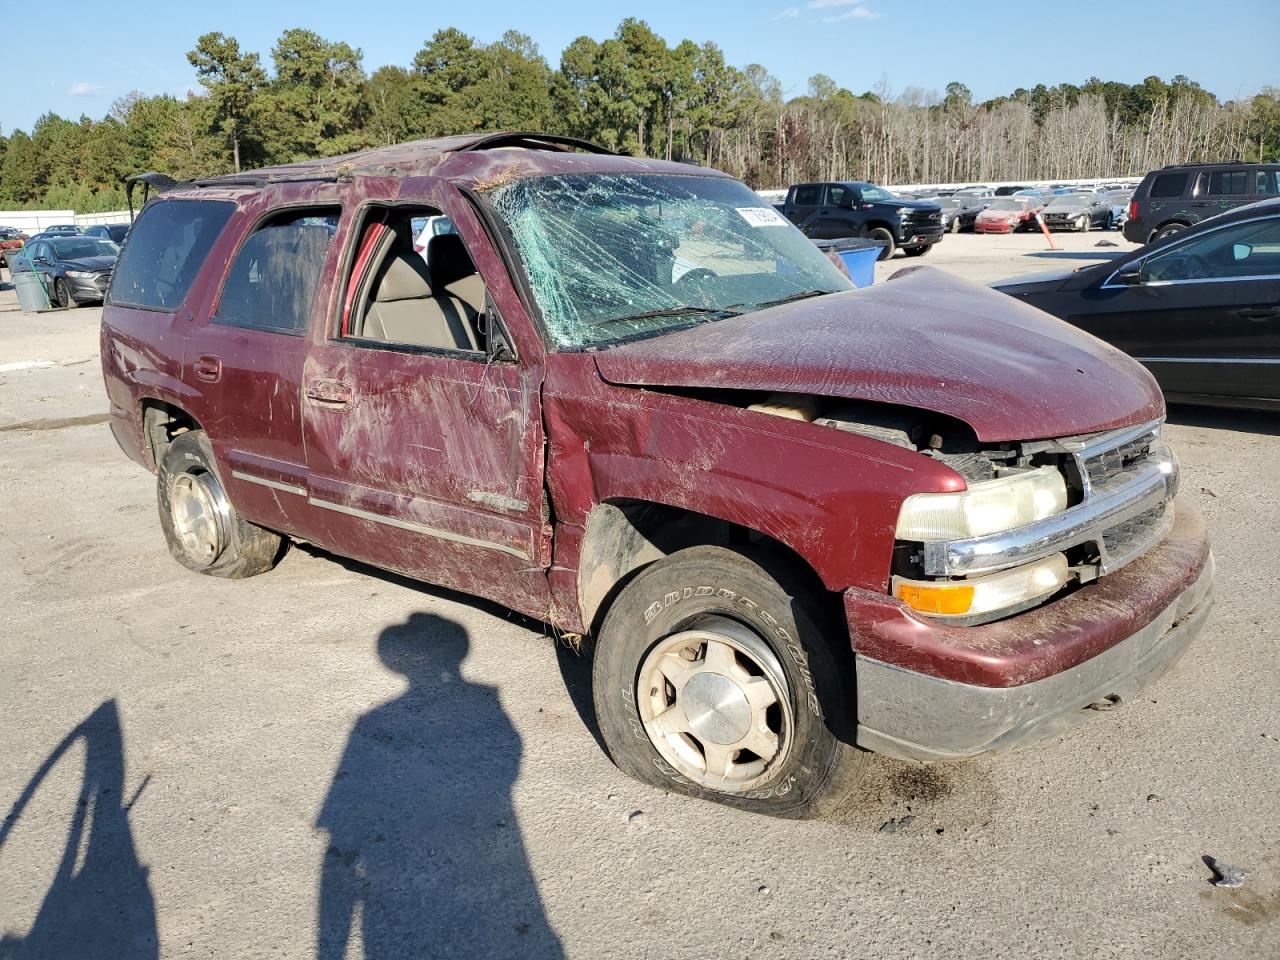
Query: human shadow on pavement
point(425, 856)
point(100, 904)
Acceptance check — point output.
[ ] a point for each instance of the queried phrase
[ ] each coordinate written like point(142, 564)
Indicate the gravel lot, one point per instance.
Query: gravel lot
point(251, 769)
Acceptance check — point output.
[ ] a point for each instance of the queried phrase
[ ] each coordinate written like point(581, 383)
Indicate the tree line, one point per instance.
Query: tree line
point(632, 92)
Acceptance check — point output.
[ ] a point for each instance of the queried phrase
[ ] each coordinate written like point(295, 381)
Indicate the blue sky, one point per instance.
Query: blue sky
point(99, 53)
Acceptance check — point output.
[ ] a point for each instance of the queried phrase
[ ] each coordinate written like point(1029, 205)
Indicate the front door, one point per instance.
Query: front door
point(425, 450)
point(1205, 314)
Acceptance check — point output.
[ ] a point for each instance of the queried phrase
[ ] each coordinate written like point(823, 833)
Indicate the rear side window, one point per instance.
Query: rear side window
point(1265, 183)
point(806, 196)
point(273, 279)
point(166, 248)
point(1168, 185)
point(1226, 183)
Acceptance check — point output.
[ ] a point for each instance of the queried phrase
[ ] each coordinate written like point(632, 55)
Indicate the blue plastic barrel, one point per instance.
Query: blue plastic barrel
point(858, 254)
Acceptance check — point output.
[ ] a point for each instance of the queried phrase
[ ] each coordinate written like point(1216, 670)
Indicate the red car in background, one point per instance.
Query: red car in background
point(1006, 214)
point(11, 238)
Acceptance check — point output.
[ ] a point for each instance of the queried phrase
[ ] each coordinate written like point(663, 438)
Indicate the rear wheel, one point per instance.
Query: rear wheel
point(885, 237)
point(203, 529)
point(1168, 231)
point(713, 679)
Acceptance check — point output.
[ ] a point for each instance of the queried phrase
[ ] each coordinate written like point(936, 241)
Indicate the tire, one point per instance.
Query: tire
point(917, 251)
point(1083, 223)
point(203, 529)
point(62, 296)
point(955, 224)
point(1168, 231)
point(885, 235)
point(705, 601)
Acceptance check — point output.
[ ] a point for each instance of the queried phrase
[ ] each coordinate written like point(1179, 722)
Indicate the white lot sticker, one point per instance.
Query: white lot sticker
point(762, 216)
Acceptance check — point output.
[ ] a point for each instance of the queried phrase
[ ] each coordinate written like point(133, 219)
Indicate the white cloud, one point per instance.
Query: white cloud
point(857, 13)
point(828, 4)
point(83, 89)
point(788, 14)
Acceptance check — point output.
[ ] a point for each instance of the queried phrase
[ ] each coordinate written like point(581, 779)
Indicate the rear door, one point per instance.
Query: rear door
point(1206, 317)
point(247, 351)
point(805, 206)
point(424, 450)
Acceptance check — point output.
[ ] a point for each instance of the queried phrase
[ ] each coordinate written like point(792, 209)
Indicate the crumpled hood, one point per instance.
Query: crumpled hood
point(924, 339)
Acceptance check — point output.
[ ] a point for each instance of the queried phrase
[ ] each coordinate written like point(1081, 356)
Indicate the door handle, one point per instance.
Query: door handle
point(330, 393)
point(1259, 313)
point(208, 368)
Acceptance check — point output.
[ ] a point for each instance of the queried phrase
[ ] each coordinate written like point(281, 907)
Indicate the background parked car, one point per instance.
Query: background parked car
point(11, 241)
point(1175, 197)
point(115, 232)
point(1200, 308)
point(1009, 191)
point(1081, 211)
point(1119, 199)
point(74, 269)
point(959, 211)
point(1006, 215)
point(831, 211)
point(64, 229)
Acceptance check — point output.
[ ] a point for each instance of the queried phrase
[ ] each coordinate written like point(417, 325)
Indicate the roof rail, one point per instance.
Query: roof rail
point(534, 141)
point(251, 180)
point(1214, 163)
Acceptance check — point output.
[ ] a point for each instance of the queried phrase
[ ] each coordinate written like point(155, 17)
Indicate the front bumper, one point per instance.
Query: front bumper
point(88, 288)
point(934, 691)
point(920, 234)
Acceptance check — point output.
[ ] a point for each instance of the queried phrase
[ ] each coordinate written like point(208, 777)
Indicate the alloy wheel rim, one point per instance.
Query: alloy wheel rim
point(199, 510)
point(715, 703)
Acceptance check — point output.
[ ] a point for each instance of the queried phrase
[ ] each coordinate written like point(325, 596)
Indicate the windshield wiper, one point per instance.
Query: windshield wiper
point(802, 295)
point(680, 311)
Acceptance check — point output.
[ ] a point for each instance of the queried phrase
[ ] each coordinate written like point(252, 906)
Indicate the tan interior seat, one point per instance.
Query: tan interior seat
point(404, 308)
point(452, 269)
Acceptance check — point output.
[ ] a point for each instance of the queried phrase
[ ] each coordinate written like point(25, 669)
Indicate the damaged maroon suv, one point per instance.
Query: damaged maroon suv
point(626, 397)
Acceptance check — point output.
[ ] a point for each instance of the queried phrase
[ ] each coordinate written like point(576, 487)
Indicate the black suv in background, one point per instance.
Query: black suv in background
point(1175, 197)
point(831, 211)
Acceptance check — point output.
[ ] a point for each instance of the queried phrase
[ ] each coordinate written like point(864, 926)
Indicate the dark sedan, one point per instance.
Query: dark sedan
point(1200, 308)
point(108, 231)
point(959, 211)
point(75, 270)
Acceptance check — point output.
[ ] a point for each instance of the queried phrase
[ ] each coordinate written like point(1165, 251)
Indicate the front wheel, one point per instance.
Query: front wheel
point(1083, 223)
point(955, 225)
point(204, 531)
point(713, 679)
point(884, 236)
point(63, 295)
point(917, 251)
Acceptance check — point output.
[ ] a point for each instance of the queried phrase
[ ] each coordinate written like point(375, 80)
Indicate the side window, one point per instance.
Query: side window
point(837, 195)
point(1228, 183)
point(167, 246)
point(1265, 183)
point(1168, 185)
point(273, 278)
point(1248, 249)
point(413, 284)
point(807, 196)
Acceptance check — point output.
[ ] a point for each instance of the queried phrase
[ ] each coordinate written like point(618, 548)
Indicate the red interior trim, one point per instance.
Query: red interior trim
point(372, 235)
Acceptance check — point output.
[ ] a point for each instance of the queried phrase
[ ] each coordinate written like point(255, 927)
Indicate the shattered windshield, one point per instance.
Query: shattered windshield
point(610, 256)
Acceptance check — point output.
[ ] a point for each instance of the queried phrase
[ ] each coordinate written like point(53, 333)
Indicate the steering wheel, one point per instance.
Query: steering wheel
point(1196, 267)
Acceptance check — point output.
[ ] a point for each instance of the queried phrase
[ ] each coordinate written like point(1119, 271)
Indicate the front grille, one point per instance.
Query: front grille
point(1124, 538)
point(1109, 463)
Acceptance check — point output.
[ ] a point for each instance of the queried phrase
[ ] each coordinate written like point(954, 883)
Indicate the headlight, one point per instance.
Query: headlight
point(903, 211)
point(991, 506)
point(984, 595)
point(80, 275)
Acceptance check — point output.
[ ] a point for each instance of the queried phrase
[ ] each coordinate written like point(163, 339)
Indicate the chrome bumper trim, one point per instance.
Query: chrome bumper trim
point(1112, 502)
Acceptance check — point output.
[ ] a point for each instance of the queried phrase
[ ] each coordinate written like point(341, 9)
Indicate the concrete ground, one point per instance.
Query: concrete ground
point(331, 761)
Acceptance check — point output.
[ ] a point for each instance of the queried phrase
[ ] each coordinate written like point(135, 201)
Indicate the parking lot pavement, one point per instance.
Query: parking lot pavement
point(327, 757)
